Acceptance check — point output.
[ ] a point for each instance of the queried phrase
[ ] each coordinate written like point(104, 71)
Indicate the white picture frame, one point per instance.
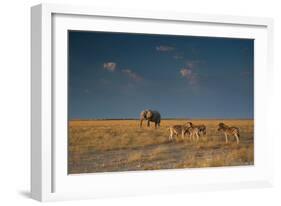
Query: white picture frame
point(49, 179)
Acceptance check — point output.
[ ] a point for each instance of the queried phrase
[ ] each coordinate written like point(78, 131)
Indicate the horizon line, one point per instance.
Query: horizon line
point(89, 119)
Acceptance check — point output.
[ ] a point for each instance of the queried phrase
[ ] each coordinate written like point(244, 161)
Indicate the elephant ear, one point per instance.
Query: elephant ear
point(143, 114)
point(149, 114)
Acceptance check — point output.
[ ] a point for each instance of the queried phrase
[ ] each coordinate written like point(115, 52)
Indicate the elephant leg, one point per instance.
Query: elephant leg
point(148, 124)
point(141, 123)
point(155, 125)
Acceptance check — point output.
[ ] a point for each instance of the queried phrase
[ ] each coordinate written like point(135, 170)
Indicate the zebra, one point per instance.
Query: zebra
point(193, 131)
point(229, 131)
point(202, 128)
point(176, 130)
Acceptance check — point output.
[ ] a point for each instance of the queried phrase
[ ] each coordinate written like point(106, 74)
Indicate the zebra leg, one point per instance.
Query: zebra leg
point(226, 139)
point(182, 135)
point(171, 135)
point(197, 137)
point(237, 138)
point(169, 138)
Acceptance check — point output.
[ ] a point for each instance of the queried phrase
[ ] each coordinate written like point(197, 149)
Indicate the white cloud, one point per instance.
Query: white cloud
point(185, 72)
point(189, 75)
point(163, 48)
point(132, 75)
point(191, 64)
point(178, 56)
point(110, 66)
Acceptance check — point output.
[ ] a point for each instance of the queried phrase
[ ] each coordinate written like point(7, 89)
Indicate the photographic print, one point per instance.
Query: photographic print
point(153, 101)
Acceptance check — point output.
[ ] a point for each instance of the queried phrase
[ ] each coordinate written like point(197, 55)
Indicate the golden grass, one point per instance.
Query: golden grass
point(120, 145)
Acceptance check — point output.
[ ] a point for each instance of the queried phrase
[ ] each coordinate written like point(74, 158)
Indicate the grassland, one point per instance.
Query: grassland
point(120, 145)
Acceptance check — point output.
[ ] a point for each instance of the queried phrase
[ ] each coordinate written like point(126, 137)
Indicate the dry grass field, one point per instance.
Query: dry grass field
point(120, 145)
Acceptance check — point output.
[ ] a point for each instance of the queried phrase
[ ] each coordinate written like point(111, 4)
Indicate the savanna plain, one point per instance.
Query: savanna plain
point(121, 145)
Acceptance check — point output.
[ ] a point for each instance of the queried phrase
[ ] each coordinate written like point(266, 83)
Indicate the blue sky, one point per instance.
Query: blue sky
point(117, 75)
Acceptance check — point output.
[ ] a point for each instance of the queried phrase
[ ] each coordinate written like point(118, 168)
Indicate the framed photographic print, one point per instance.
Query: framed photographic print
point(138, 102)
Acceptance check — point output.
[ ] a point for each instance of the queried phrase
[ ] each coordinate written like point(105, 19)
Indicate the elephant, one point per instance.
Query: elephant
point(150, 116)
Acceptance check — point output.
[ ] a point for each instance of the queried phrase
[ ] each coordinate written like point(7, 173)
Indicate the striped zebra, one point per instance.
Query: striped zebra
point(229, 131)
point(177, 130)
point(202, 128)
point(193, 131)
